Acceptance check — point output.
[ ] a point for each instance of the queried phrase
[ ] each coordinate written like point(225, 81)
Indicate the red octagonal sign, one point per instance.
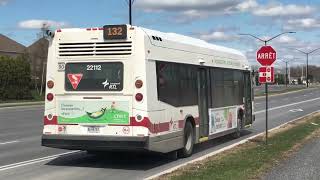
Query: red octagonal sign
point(266, 55)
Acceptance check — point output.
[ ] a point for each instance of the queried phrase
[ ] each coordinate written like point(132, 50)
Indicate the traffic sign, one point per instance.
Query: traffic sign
point(266, 74)
point(266, 55)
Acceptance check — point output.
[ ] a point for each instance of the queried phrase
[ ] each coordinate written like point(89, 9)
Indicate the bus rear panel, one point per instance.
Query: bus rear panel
point(90, 103)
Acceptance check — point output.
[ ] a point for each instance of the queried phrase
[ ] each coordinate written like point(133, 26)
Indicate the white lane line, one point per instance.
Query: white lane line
point(8, 142)
point(287, 105)
point(33, 161)
point(222, 149)
point(295, 110)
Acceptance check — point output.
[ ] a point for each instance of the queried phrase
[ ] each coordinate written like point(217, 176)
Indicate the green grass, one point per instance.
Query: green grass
point(34, 97)
point(249, 160)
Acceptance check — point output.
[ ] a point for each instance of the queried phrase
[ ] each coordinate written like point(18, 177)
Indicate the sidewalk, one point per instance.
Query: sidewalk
point(305, 164)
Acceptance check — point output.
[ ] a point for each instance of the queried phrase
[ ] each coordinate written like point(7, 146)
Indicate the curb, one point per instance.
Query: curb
point(225, 148)
point(2, 105)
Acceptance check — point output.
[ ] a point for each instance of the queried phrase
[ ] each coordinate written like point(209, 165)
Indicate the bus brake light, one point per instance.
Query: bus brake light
point(49, 96)
point(139, 97)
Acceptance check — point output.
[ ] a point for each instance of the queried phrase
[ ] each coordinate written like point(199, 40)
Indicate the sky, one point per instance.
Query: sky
point(216, 21)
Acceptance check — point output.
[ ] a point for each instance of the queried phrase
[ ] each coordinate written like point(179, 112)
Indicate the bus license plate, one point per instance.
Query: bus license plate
point(94, 129)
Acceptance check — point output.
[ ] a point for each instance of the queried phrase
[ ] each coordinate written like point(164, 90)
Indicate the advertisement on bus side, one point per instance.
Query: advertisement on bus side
point(222, 119)
point(96, 112)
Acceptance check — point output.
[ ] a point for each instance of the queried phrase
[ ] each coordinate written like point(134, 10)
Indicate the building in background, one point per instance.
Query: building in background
point(9, 47)
point(37, 53)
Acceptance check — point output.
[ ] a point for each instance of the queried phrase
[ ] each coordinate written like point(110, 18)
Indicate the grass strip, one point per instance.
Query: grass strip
point(279, 92)
point(252, 159)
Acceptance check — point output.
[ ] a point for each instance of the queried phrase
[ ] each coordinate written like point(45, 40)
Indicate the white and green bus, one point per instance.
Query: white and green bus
point(124, 87)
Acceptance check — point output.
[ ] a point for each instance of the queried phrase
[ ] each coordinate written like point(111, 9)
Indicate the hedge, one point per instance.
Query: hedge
point(15, 78)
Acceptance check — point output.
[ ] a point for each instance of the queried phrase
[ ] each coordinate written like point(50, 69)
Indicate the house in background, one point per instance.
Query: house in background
point(38, 52)
point(9, 47)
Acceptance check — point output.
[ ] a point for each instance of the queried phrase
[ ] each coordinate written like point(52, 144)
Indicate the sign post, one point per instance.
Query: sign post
point(266, 56)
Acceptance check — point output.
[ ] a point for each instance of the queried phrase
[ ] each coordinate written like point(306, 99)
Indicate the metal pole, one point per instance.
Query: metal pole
point(266, 91)
point(42, 78)
point(130, 13)
point(307, 70)
point(286, 74)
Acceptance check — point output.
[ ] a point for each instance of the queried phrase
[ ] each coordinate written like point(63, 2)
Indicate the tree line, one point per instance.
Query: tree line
point(15, 78)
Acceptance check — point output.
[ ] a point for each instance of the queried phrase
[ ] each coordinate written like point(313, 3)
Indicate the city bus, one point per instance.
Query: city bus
point(123, 87)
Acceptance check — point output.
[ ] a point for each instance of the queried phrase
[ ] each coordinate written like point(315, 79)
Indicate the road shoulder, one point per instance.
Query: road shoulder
point(303, 164)
point(252, 159)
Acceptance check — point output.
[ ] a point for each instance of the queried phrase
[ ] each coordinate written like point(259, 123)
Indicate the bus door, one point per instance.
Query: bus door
point(248, 98)
point(203, 102)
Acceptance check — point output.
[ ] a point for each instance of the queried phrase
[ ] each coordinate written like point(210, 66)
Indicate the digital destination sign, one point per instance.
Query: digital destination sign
point(115, 32)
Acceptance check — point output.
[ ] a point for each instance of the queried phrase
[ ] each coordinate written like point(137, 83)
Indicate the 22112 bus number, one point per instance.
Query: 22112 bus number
point(93, 67)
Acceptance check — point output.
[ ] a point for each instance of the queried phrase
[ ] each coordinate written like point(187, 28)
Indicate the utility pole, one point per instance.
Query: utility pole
point(130, 3)
point(307, 54)
point(286, 76)
point(130, 12)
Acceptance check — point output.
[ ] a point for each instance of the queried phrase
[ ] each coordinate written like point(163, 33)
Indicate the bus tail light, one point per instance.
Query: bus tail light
point(138, 84)
point(139, 97)
point(50, 84)
point(49, 96)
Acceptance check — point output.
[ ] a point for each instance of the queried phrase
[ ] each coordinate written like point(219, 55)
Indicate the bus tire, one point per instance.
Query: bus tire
point(188, 141)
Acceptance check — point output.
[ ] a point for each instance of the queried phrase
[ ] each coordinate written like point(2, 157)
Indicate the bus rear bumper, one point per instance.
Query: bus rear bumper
point(74, 142)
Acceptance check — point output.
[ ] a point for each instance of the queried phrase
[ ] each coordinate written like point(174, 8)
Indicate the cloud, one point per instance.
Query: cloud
point(280, 10)
point(217, 36)
point(285, 39)
point(189, 10)
point(247, 5)
point(38, 23)
point(185, 5)
point(3, 2)
point(221, 34)
point(302, 24)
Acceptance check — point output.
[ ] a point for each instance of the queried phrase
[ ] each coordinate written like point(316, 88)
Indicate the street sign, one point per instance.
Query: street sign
point(266, 74)
point(266, 55)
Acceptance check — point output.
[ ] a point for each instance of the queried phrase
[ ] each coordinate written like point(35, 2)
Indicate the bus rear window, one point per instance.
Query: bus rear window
point(104, 76)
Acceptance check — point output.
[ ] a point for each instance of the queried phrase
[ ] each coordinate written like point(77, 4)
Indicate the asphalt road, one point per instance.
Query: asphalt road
point(21, 155)
point(303, 165)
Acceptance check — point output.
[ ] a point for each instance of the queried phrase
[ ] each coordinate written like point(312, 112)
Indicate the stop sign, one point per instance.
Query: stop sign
point(266, 55)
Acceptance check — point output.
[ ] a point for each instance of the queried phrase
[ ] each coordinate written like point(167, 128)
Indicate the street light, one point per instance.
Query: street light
point(267, 40)
point(266, 84)
point(286, 61)
point(307, 53)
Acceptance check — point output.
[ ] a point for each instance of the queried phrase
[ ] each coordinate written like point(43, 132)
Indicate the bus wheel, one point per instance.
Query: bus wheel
point(188, 141)
point(237, 134)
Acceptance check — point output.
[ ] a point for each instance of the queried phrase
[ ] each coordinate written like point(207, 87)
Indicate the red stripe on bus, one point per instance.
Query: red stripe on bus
point(145, 122)
point(181, 124)
point(53, 121)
